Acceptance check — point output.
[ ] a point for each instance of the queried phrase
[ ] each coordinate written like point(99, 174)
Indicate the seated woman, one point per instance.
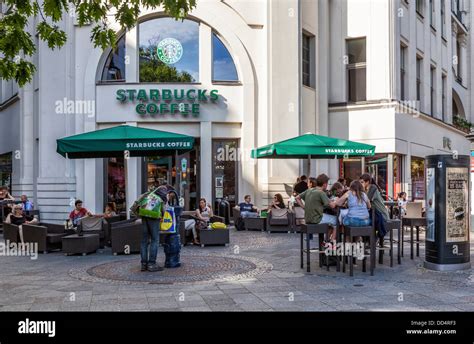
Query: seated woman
point(6, 196)
point(18, 217)
point(358, 204)
point(277, 202)
point(110, 210)
point(204, 214)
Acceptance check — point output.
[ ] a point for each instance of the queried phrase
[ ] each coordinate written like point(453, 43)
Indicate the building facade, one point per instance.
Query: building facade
point(235, 75)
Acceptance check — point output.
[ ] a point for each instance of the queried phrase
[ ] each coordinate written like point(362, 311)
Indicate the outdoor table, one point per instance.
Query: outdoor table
point(84, 244)
point(255, 223)
point(391, 205)
point(413, 222)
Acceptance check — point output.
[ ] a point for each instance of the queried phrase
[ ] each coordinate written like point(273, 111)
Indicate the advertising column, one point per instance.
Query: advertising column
point(447, 212)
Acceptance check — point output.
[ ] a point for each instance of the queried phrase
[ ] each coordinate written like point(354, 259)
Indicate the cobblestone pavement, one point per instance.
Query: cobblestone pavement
point(256, 272)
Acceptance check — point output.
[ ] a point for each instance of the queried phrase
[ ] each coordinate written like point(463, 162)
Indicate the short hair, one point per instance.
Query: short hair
point(341, 180)
point(366, 178)
point(313, 181)
point(322, 179)
point(247, 196)
point(303, 178)
point(78, 201)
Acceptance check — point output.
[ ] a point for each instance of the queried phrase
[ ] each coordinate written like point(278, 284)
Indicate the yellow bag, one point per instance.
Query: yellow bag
point(218, 225)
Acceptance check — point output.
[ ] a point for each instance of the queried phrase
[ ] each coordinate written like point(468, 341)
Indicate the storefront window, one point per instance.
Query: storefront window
point(116, 183)
point(376, 166)
point(397, 175)
point(223, 67)
point(169, 50)
point(351, 169)
point(182, 174)
point(417, 178)
point(6, 170)
point(114, 69)
point(225, 156)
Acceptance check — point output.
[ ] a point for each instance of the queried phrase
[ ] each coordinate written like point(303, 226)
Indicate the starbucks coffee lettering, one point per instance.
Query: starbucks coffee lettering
point(152, 102)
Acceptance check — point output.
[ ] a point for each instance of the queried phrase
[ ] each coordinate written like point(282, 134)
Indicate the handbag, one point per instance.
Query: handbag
point(218, 225)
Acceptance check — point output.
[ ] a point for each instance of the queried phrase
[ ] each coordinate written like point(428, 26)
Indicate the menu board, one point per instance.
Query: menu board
point(430, 204)
point(457, 206)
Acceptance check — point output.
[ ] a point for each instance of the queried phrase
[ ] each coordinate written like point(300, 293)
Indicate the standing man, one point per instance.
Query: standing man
point(301, 186)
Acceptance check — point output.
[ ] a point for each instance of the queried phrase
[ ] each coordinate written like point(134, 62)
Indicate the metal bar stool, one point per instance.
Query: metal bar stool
point(321, 230)
point(354, 232)
point(390, 225)
point(413, 223)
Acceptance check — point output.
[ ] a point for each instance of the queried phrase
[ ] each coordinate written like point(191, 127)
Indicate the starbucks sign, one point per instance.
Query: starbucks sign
point(169, 50)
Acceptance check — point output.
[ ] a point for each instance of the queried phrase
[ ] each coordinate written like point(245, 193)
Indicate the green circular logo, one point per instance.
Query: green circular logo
point(169, 50)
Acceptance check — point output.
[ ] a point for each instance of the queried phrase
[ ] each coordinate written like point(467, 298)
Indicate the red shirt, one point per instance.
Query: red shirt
point(75, 216)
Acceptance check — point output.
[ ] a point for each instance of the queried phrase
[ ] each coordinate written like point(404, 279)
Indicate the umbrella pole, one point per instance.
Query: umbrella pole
point(127, 188)
point(309, 166)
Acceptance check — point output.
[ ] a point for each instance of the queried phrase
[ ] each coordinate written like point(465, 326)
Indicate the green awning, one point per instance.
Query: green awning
point(316, 146)
point(114, 142)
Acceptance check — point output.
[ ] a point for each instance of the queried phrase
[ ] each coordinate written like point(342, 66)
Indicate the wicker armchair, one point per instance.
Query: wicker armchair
point(280, 220)
point(47, 236)
point(11, 233)
point(126, 236)
point(93, 225)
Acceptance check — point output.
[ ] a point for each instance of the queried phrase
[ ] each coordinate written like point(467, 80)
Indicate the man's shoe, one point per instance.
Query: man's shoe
point(154, 267)
point(144, 267)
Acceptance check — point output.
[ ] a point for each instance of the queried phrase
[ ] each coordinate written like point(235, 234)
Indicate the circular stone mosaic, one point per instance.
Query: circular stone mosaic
point(194, 268)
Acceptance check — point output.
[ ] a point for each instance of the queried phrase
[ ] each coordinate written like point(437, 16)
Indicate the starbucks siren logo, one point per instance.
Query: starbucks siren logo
point(169, 50)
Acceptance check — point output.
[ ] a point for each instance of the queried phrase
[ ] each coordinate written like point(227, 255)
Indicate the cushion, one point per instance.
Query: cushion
point(54, 238)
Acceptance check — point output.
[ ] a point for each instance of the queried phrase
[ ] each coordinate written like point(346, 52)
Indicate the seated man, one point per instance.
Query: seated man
point(78, 213)
point(27, 204)
point(247, 209)
point(316, 200)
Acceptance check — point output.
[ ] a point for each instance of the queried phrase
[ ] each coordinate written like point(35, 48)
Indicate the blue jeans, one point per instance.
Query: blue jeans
point(356, 222)
point(150, 236)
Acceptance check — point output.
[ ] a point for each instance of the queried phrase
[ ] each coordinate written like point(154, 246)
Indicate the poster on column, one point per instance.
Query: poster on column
point(457, 198)
point(430, 204)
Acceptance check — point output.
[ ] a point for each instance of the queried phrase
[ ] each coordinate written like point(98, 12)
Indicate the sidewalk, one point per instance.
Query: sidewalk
point(257, 271)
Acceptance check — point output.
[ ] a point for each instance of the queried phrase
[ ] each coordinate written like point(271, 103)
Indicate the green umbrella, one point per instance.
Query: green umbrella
point(310, 146)
point(123, 139)
point(114, 142)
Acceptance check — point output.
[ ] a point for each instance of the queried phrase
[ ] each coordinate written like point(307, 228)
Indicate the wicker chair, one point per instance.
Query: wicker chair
point(93, 225)
point(126, 236)
point(107, 226)
point(47, 236)
point(280, 220)
point(11, 233)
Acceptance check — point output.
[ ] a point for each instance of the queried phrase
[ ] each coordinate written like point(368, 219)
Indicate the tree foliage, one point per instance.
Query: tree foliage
point(152, 69)
point(17, 44)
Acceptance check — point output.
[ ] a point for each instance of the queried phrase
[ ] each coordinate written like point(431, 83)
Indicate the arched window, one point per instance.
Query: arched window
point(114, 68)
point(223, 67)
point(169, 50)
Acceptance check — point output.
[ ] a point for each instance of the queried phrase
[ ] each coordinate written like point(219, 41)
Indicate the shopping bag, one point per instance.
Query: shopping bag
point(134, 209)
point(151, 206)
point(168, 222)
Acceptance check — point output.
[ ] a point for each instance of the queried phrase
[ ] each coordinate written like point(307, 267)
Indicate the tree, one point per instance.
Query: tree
point(152, 69)
point(16, 43)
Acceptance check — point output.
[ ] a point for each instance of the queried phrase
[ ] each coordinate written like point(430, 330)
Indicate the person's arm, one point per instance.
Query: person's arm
point(10, 197)
point(341, 200)
point(198, 215)
point(367, 201)
point(327, 202)
point(33, 221)
point(8, 219)
point(300, 198)
point(210, 211)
